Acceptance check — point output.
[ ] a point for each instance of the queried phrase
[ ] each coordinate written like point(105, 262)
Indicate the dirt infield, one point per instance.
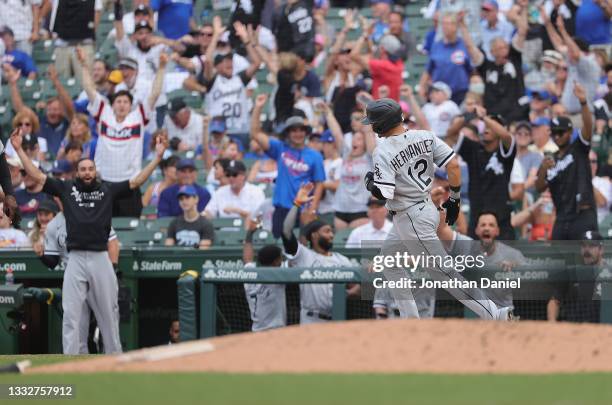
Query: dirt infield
point(425, 346)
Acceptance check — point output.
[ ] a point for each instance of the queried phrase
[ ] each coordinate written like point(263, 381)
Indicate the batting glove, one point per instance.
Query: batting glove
point(369, 181)
point(452, 210)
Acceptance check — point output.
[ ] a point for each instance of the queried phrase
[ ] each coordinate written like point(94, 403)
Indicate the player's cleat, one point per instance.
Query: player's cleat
point(18, 367)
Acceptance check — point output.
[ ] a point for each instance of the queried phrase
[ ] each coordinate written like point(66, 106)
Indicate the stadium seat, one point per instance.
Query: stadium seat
point(229, 238)
point(605, 227)
point(148, 211)
point(140, 238)
point(154, 225)
point(341, 237)
point(228, 223)
point(125, 223)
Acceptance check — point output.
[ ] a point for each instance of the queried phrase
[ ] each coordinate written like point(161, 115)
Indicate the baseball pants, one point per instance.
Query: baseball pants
point(89, 280)
point(414, 230)
point(308, 316)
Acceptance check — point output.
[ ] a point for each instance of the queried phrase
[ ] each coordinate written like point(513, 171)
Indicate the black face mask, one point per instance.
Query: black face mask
point(81, 186)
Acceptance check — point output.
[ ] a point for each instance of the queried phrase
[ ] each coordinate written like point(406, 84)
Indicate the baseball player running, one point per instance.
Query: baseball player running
point(404, 165)
point(55, 252)
point(88, 205)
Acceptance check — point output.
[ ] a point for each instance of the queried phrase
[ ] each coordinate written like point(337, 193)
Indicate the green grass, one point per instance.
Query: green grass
point(40, 359)
point(307, 389)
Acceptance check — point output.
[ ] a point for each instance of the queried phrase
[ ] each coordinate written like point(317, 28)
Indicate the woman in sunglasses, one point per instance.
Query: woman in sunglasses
point(35, 147)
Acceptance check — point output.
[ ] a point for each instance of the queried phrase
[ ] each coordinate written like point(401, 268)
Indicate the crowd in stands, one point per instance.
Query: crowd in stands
point(270, 97)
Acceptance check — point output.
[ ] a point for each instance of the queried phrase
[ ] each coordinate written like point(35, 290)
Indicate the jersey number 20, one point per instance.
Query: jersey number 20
point(420, 167)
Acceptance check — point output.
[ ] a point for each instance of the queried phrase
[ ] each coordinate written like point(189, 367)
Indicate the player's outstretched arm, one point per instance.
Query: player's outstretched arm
point(160, 148)
point(31, 170)
point(303, 197)
point(256, 133)
point(158, 82)
point(587, 117)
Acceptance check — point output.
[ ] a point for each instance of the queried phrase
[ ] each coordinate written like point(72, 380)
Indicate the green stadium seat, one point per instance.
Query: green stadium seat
point(229, 238)
point(605, 227)
point(148, 212)
point(340, 237)
point(228, 223)
point(154, 225)
point(43, 52)
point(140, 238)
point(125, 223)
point(263, 237)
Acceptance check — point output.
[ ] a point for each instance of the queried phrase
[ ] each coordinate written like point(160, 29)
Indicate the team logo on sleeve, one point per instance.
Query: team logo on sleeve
point(377, 172)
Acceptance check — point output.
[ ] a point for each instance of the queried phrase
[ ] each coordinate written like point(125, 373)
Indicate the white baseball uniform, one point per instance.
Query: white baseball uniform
point(267, 304)
point(316, 299)
point(404, 167)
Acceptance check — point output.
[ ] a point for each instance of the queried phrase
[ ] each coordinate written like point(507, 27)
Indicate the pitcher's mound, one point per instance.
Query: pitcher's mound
point(394, 346)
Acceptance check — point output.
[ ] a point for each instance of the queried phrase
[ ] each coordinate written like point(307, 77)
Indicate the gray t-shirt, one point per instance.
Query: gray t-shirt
point(190, 234)
point(464, 245)
point(528, 162)
point(587, 73)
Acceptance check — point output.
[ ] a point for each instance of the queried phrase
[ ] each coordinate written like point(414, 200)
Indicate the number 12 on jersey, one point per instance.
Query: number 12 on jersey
point(416, 173)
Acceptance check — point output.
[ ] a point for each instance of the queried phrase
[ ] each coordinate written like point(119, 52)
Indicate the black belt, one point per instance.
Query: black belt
point(319, 315)
point(394, 213)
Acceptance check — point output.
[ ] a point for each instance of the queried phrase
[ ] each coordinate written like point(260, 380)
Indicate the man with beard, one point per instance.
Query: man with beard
point(315, 299)
point(567, 174)
point(89, 275)
point(496, 253)
point(579, 301)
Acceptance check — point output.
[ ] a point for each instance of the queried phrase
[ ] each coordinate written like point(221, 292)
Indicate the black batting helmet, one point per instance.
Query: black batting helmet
point(383, 114)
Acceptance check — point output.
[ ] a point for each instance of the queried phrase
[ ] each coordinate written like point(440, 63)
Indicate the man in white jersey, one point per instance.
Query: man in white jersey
point(121, 132)
point(226, 94)
point(267, 302)
point(404, 166)
point(55, 252)
point(315, 298)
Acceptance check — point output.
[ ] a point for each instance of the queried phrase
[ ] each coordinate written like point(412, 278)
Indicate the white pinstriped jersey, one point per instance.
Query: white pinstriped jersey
point(404, 166)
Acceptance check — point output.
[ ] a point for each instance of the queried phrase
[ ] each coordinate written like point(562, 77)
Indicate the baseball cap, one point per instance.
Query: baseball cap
point(541, 95)
point(115, 76)
point(142, 24)
point(234, 167)
point(441, 86)
point(561, 124)
point(523, 124)
point(175, 105)
point(142, 9)
point(540, 121)
point(376, 202)
point(221, 56)
point(490, 5)
point(592, 236)
point(185, 163)
point(48, 205)
point(217, 124)
point(551, 56)
point(312, 227)
point(128, 62)
point(6, 30)
point(390, 44)
point(327, 137)
point(294, 122)
point(61, 166)
point(187, 190)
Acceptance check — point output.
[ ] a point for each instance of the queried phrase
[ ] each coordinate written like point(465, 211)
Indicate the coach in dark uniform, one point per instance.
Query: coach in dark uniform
point(89, 277)
point(568, 176)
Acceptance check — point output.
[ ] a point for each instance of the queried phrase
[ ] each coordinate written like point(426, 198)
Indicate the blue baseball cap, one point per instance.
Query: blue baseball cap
point(540, 121)
point(61, 166)
point(326, 136)
point(540, 95)
point(217, 125)
point(185, 164)
point(188, 191)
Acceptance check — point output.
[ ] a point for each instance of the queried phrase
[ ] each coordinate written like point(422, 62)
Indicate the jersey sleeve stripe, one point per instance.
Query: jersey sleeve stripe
point(99, 113)
point(459, 142)
point(446, 159)
point(51, 252)
point(384, 184)
point(584, 141)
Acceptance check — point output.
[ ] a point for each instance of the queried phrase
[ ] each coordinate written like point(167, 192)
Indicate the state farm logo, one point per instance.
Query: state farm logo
point(221, 274)
point(7, 300)
point(327, 275)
